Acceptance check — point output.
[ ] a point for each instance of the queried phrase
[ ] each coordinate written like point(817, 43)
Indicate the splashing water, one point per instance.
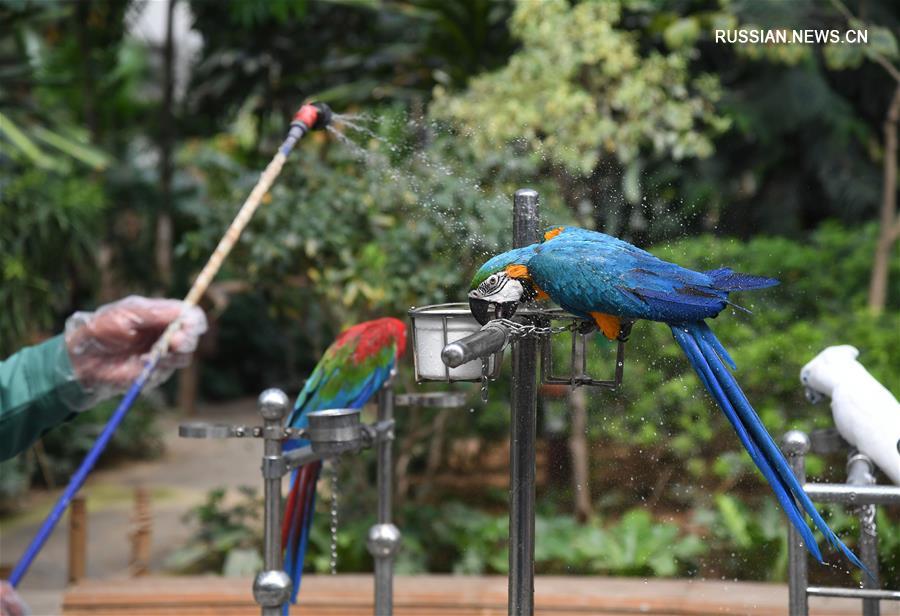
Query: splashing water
point(350, 121)
point(357, 150)
point(430, 173)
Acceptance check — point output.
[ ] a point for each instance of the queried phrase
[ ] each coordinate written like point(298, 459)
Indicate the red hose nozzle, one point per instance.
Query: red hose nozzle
point(315, 116)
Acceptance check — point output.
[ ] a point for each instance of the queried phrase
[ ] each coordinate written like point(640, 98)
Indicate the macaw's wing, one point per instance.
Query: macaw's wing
point(343, 378)
point(613, 277)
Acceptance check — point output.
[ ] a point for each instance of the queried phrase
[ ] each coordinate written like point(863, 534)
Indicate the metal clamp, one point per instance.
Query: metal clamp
point(432, 399)
point(198, 429)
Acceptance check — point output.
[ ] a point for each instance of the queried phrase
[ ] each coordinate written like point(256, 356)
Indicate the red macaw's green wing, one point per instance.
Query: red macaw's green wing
point(353, 368)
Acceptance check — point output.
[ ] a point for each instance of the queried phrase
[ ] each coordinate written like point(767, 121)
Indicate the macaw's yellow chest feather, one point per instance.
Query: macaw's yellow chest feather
point(520, 272)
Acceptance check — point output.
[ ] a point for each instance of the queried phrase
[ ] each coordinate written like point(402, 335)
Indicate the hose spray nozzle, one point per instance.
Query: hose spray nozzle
point(314, 116)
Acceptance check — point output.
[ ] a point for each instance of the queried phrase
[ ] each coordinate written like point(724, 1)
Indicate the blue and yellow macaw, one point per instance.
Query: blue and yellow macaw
point(608, 281)
point(356, 365)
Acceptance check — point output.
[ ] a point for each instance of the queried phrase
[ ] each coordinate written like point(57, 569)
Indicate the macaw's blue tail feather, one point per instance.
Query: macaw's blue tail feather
point(301, 505)
point(706, 355)
point(728, 280)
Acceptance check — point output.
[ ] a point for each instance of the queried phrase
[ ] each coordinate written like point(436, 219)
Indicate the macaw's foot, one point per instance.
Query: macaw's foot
point(608, 324)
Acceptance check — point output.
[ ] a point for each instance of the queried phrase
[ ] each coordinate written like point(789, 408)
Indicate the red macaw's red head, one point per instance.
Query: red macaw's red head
point(371, 337)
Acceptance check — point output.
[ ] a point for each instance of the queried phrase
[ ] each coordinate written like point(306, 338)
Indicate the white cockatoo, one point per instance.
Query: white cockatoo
point(866, 414)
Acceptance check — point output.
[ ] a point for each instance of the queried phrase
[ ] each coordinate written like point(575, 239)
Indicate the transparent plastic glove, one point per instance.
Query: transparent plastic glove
point(108, 348)
point(11, 604)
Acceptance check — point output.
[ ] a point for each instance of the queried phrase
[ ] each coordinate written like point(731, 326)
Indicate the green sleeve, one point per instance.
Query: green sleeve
point(37, 392)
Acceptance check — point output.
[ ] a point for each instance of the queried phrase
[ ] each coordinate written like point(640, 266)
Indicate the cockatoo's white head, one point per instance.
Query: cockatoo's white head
point(824, 371)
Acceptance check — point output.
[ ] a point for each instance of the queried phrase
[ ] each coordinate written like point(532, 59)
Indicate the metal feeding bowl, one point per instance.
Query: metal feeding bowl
point(334, 430)
point(433, 328)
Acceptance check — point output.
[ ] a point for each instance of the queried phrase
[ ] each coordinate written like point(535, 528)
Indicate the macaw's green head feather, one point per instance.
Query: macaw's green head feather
point(501, 284)
point(516, 256)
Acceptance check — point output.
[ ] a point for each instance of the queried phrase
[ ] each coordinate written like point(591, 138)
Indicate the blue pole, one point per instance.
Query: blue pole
point(81, 474)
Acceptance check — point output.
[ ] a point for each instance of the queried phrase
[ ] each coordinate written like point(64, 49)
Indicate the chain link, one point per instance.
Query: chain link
point(523, 330)
point(520, 330)
point(333, 469)
point(866, 515)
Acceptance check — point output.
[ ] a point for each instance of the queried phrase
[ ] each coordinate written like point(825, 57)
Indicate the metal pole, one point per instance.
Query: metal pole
point(852, 494)
point(272, 587)
point(796, 446)
point(859, 473)
point(523, 403)
point(384, 538)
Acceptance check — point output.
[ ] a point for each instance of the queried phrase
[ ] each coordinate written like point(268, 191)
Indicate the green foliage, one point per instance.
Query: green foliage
point(748, 542)
point(581, 87)
point(266, 56)
point(357, 237)
point(814, 307)
point(223, 525)
point(61, 450)
point(48, 225)
point(454, 537)
point(635, 545)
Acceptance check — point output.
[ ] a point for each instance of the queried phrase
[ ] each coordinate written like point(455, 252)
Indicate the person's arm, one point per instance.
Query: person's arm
point(38, 390)
point(99, 357)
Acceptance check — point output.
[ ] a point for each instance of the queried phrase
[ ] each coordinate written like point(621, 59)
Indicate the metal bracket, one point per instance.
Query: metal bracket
point(273, 467)
point(432, 399)
point(207, 430)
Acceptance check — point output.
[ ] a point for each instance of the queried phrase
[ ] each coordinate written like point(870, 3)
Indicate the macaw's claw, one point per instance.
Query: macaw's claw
point(625, 331)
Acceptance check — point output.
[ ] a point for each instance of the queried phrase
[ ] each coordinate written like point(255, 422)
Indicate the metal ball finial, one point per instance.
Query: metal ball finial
point(273, 404)
point(383, 540)
point(272, 588)
point(453, 355)
point(796, 443)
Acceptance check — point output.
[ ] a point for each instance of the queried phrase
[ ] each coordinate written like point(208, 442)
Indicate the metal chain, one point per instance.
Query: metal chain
point(867, 520)
point(333, 470)
point(523, 330)
point(484, 379)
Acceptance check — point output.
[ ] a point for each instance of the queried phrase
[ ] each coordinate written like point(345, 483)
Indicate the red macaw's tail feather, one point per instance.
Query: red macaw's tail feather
point(297, 522)
point(289, 507)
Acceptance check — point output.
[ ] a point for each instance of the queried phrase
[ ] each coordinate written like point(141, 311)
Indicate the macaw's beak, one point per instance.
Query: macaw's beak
point(485, 310)
point(812, 396)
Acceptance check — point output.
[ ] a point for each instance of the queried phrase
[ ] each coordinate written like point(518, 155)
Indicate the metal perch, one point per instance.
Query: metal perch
point(331, 433)
point(860, 492)
point(530, 329)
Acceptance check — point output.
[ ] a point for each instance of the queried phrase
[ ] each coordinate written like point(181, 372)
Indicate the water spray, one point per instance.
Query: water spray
point(311, 116)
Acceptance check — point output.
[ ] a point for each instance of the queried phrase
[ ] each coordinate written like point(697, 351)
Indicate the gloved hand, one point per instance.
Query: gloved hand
point(11, 604)
point(108, 348)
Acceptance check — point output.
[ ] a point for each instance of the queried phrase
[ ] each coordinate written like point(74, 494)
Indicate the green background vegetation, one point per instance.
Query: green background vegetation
point(624, 114)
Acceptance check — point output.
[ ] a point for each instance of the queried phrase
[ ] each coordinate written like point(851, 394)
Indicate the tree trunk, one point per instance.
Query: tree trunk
point(188, 383)
point(89, 109)
point(890, 225)
point(578, 449)
point(163, 249)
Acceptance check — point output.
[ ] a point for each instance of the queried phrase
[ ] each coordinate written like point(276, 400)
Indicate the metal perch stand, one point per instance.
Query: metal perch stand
point(331, 433)
point(528, 332)
point(859, 492)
